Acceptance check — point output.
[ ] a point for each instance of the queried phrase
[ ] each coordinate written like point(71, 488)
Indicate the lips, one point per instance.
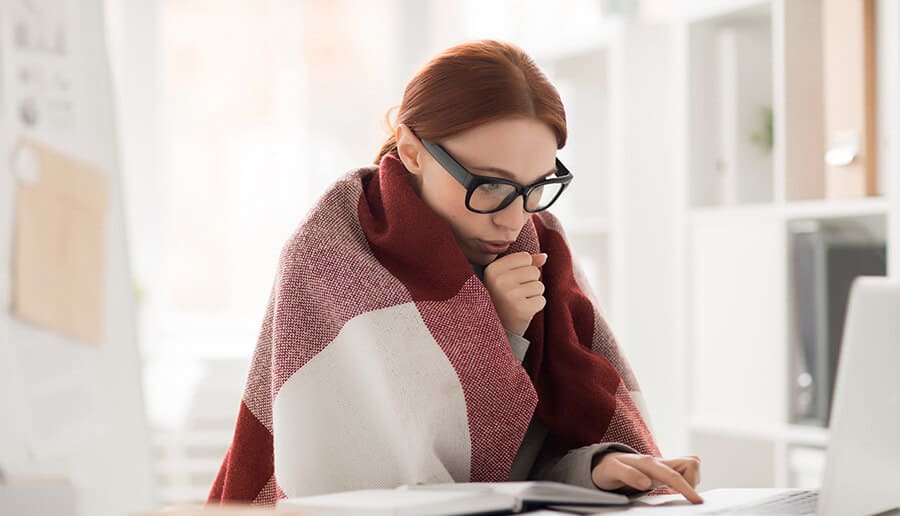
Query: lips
point(494, 246)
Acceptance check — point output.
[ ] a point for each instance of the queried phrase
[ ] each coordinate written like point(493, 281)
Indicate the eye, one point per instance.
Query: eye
point(494, 187)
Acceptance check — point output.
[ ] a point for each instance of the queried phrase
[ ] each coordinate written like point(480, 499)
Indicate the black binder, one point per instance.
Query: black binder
point(825, 261)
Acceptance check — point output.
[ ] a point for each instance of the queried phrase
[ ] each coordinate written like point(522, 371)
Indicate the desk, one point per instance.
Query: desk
point(665, 505)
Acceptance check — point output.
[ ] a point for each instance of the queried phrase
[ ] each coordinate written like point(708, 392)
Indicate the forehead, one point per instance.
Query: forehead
point(525, 148)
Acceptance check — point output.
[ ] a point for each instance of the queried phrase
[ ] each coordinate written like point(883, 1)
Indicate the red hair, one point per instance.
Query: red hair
point(474, 83)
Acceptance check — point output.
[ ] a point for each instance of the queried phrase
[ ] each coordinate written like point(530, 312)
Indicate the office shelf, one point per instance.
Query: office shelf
point(836, 209)
point(739, 211)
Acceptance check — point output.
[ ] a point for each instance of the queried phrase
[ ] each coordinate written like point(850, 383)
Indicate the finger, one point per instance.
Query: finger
point(678, 482)
point(657, 470)
point(530, 289)
point(692, 475)
point(514, 278)
point(690, 472)
point(689, 467)
point(629, 476)
point(538, 260)
point(510, 261)
point(536, 304)
point(680, 462)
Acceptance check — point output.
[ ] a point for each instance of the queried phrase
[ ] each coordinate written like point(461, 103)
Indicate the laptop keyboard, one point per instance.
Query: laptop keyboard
point(793, 503)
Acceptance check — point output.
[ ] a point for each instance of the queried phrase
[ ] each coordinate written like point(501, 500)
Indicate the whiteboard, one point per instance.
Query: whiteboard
point(66, 408)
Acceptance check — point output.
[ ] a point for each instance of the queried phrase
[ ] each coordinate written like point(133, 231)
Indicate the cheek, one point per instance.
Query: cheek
point(448, 200)
point(465, 223)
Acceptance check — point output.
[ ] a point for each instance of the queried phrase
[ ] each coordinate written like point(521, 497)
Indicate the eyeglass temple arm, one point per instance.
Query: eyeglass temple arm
point(448, 163)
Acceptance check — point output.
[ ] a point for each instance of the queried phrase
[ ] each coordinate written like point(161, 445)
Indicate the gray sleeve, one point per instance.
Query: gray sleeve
point(574, 466)
point(554, 462)
point(518, 344)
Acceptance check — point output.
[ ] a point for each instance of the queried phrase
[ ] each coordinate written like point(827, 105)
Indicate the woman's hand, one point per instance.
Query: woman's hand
point(617, 469)
point(516, 290)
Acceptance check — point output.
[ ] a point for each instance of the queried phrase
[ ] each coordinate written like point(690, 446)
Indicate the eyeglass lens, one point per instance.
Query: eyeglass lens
point(492, 196)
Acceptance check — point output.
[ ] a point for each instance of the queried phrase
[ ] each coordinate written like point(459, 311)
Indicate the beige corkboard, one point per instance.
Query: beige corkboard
point(59, 242)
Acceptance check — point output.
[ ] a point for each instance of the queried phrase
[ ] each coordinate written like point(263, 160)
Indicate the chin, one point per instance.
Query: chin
point(480, 258)
point(490, 258)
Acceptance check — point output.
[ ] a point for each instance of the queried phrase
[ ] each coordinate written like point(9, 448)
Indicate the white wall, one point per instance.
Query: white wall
point(69, 409)
point(645, 214)
point(888, 29)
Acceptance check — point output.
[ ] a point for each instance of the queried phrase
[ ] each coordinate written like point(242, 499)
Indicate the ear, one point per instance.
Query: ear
point(410, 150)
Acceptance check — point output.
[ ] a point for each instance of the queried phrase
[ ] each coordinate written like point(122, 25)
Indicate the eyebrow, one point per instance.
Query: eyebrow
point(509, 175)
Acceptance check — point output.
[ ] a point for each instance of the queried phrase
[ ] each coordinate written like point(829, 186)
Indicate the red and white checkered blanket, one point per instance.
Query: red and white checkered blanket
point(381, 360)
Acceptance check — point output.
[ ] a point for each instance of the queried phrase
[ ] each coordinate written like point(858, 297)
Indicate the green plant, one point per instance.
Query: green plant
point(764, 136)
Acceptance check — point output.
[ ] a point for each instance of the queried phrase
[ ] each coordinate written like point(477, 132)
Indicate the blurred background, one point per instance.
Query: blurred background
point(737, 165)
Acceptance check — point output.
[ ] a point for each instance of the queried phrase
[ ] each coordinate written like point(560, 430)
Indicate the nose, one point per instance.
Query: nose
point(512, 217)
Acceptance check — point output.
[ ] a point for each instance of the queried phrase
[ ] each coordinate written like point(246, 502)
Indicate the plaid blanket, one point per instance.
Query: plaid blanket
point(381, 360)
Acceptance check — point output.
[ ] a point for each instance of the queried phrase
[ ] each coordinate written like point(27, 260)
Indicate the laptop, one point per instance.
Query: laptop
point(862, 470)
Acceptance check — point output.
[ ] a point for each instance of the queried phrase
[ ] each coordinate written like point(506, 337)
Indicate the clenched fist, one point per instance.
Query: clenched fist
point(516, 290)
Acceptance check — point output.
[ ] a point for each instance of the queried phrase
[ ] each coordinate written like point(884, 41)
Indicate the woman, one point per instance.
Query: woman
point(427, 323)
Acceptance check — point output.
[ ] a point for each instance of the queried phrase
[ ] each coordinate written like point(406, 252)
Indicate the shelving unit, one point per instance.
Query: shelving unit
point(731, 73)
point(820, 209)
point(706, 139)
point(740, 204)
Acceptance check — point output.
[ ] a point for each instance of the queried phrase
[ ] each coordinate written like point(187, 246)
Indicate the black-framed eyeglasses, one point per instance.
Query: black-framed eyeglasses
point(492, 194)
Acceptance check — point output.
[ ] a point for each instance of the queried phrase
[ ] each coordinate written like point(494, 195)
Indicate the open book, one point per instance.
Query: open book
point(451, 499)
